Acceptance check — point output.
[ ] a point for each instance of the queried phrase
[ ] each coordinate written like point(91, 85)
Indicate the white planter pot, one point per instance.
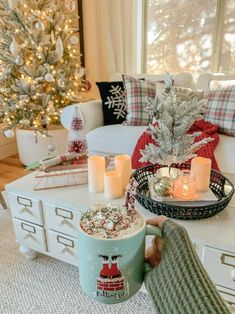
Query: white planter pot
point(31, 150)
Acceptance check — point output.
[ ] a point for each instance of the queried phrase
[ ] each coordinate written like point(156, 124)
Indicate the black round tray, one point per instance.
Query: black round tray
point(217, 184)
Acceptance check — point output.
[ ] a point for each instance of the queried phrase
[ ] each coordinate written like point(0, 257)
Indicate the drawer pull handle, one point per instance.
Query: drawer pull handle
point(29, 235)
point(66, 249)
point(66, 222)
point(227, 259)
point(63, 222)
point(66, 214)
point(24, 209)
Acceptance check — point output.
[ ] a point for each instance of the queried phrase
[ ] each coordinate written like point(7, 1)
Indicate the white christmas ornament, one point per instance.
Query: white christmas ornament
point(19, 60)
point(52, 37)
point(14, 48)
point(59, 48)
point(25, 122)
point(49, 77)
point(40, 26)
point(9, 133)
point(61, 83)
point(80, 72)
point(168, 81)
point(50, 108)
point(74, 40)
point(51, 147)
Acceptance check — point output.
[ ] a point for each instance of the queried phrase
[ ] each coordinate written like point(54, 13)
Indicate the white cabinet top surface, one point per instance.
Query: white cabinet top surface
point(217, 231)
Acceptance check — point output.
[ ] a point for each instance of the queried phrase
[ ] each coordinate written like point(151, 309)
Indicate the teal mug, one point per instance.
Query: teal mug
point(112, 270)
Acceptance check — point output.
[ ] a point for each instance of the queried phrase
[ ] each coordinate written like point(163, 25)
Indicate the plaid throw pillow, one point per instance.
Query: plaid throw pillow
point(220, 108)
point(136, 91)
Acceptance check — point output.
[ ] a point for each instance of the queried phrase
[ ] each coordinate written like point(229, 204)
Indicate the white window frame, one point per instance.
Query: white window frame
point(141, 36)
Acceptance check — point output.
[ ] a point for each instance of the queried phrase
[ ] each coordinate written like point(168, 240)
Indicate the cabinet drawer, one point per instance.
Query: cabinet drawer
point(30, 235)
point(229, 296)
point(61, 219)
point(25, 208)
point(62, 247)
point(220, 266)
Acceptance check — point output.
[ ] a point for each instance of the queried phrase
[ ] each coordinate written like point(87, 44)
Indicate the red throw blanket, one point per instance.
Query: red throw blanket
point(207, 129)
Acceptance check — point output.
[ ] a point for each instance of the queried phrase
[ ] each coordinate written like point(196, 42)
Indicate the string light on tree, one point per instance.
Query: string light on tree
point(39, 63)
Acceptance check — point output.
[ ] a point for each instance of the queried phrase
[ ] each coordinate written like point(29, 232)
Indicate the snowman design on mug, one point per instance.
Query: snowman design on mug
point(111, 283)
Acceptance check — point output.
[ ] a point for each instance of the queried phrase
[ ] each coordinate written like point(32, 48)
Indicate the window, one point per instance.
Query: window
point(227, 55)
point(188, 35)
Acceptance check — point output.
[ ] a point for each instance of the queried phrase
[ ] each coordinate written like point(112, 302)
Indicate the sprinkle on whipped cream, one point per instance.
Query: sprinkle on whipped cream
point(108, 221)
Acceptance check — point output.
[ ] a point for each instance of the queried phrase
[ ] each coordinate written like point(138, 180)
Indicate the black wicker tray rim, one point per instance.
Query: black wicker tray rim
point(217, 184)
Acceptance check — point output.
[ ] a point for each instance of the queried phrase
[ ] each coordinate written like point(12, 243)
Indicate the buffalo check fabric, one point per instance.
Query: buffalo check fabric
point(220, 108)
point(136, 92)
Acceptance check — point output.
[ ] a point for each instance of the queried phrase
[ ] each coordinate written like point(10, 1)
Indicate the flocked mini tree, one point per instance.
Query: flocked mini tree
point(172, 120)
point(40, 70)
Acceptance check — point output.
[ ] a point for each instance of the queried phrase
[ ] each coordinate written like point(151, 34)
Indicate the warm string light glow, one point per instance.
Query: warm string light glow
point(32, 64)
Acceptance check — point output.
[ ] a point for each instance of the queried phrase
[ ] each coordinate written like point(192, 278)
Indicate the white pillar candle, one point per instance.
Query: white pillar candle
point(123, 164)
point(201, 168)
point(112, 184)
point(96, 169)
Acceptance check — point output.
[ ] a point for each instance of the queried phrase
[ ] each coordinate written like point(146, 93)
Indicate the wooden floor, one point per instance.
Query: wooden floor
point(10, 170)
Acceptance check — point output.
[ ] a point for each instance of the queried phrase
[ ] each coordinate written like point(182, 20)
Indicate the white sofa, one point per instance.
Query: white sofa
point(118, 139)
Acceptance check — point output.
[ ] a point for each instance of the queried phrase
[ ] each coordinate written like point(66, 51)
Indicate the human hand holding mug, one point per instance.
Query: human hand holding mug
point(153, 253)
point(111, 260)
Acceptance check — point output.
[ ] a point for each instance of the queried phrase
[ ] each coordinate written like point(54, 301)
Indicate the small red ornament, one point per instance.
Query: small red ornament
point(77, 146)
point(87, 85)
point(77, 124)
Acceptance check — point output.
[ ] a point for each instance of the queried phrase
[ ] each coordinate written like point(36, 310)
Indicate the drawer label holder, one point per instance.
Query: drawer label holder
point(28, 228)
point(64, 213)
point(24, 201)
point(227, 259)
point(65, 241)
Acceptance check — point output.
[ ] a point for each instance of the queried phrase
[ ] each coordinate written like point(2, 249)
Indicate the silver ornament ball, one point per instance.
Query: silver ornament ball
point(51, 147)
point(39, 26)
point(74, 40)
point(19, 60)
point(162, 186)
point(49, 77)
point(9, 133)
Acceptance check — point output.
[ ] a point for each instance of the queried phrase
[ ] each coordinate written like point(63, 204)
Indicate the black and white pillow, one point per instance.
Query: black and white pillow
point(113, 101)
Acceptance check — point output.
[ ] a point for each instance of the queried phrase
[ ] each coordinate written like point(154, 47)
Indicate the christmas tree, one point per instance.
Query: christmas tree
point(40, 70)
point(172, 120)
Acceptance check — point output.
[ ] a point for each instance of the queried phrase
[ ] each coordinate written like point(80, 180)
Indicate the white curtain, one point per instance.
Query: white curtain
point(110, 38)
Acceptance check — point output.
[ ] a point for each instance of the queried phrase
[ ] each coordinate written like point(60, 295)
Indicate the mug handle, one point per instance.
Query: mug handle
point(155, 231)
